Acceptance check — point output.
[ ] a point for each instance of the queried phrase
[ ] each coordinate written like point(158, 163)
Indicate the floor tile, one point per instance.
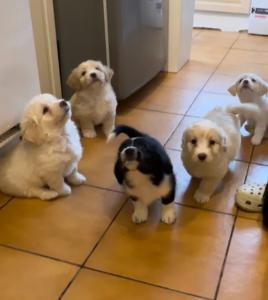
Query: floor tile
point(251, 42)
point(256, 174)
point(163, 254)
point(159, 125)
point(198, 67)
point(66, 228)
point(260, 154)
point(25, 276)
point(176, 139)
point(186, 79)
point(223, 198)
point(3, 199)
point(90, 282)
point(164, 99)
point(219, 84)
point(244, 57)
point(206, 102)
point(98, 161)
point(215, 38)
point(195, 32)
point(246, 274)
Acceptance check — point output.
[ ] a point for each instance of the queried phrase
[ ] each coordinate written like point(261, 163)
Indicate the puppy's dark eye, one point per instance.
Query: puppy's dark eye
point(240, 80)
point(253, 80)
point(45, 110)
point(98, 68)
point(194, 141)
point(212, 142)
point(83, 73)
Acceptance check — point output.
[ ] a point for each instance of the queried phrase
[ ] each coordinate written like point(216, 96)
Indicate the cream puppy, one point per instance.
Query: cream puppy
point(94, 101)
point(250, 88)
point(208, 146)
point(47, 155)
point(256, 117)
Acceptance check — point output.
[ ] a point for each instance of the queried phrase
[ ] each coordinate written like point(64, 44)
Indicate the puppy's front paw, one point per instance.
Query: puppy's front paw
point(201, 197)
point(66, 190)
point(77, 179)
point(168, 216)
point(140, 216)
point(88, 133)
point(256, 140)
point(48, 195)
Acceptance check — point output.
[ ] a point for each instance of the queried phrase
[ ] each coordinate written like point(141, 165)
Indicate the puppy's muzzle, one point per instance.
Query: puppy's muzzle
point(245, 83)
point(130, 154)
point(93, 75)
point(202, 156)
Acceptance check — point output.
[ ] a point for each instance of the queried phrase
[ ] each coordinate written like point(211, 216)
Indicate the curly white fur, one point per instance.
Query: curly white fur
point(208, 146)
point(94, 101)
point(47, 155)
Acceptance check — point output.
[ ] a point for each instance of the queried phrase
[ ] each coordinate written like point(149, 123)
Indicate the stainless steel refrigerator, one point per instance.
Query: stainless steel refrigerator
point(128, 35)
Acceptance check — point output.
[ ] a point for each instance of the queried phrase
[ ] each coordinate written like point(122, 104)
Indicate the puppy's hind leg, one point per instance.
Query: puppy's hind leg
point(76, 178)
point(108, 124)
point(168, 211)
point(140, 214)
point(42, 193)
point(206, 188)
point(56, 183)
point(87, 128)
point(258, 134)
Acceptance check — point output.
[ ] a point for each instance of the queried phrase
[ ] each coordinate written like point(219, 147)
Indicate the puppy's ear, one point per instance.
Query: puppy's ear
point(233, 89)
point(31, 131)
point(108, 73)
point(73, 81)
point(263, 87)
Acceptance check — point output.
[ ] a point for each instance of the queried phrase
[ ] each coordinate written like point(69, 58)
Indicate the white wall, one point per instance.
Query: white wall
point(18, 67)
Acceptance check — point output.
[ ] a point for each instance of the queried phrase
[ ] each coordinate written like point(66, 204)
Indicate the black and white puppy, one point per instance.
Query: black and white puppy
point(145, 170)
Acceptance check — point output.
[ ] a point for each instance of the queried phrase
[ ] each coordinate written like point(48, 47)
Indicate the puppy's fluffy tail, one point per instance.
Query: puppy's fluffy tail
point(129, 131)
point(247, 110)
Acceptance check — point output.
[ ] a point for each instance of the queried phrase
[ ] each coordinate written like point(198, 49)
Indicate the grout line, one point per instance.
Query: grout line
point(225, 259)
point(205, 209)
point(92, 250)
point(146, 283)
point(5, 204)
point(39, 254)
point(103, 188)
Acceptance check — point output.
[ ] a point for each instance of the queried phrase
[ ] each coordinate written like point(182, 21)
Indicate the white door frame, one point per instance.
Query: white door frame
point(43, 21)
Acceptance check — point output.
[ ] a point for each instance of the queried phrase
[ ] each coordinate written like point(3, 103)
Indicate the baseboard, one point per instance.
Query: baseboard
point(222, 21)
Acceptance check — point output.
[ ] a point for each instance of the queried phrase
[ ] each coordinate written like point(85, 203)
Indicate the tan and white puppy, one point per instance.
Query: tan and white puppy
point(208, 146)
point(94, 101)
point(250, 88)
point(47, 155)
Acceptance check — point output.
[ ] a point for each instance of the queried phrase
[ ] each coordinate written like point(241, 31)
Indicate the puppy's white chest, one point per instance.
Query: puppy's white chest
point(139, 185)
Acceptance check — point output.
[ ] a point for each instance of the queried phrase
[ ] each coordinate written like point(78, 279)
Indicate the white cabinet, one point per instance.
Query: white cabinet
point(19, 79)
point(229, 6)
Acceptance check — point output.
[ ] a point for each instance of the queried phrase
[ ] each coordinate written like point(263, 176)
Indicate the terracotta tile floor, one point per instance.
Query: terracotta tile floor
point(86, 247)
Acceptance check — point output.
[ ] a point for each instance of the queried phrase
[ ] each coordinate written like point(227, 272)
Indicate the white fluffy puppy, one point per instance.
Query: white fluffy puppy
point(94, 101)
point(208, 146)
point(257, 119)
point(47, 155)
point(250, 88)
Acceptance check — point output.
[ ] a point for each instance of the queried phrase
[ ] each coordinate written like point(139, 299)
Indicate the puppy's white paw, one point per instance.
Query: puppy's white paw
point(201, 197)
point(48, 195)
point(66, 190)
point(140, 216)
point(77, 179)
point(256, 140)
point(168, 216)
point(87, 133)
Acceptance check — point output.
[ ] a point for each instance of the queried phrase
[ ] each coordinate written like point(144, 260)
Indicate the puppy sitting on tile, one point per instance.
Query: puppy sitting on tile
point(45, 162)
point(94, 101)
point(146, 173)
point(208, 146)
point(252, 91)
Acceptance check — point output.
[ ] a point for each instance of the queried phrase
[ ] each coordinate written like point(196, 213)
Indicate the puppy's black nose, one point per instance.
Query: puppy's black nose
point(245, 82)
point(63, 103)
point(93, 75)
point(202, 156)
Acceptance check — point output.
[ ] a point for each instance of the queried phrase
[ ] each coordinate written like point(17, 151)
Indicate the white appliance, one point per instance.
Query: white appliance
point(19, 80)
point(258, 19)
